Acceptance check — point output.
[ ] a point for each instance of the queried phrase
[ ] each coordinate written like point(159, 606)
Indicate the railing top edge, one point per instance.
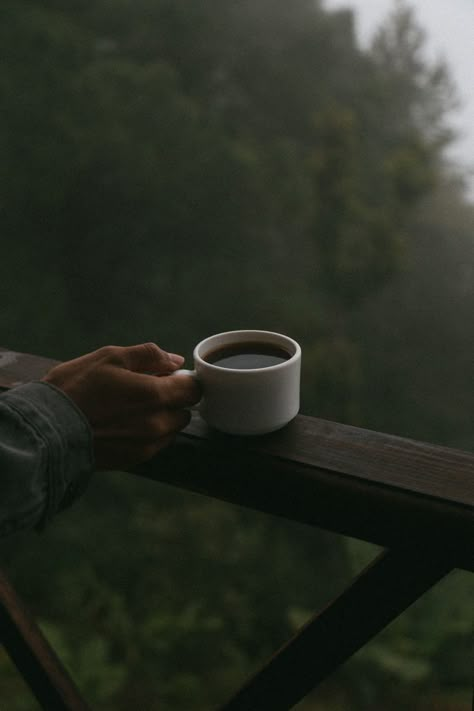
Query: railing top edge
point(415, 467)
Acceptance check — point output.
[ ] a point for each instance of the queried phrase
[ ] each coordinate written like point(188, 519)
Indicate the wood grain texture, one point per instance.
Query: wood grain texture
point(385, 489)
point(386, 515)
point(419, 467)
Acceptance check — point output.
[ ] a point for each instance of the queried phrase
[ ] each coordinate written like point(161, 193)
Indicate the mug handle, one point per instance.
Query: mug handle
point(193, 374)
point(183, 371)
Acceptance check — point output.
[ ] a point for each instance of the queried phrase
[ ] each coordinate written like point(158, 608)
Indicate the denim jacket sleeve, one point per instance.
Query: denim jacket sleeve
point(46, 455)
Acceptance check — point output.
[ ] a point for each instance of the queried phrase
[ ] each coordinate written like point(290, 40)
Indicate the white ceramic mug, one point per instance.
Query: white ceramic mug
point(249, 401)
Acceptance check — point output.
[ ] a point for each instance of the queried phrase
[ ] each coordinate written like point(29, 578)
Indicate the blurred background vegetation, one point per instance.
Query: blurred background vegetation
point(173, 168)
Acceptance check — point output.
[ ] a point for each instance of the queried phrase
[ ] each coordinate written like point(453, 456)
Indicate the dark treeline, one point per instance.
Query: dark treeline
point(170, 169)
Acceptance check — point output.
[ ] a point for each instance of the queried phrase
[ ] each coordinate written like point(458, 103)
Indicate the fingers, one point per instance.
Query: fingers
point(127, 446)
point(143, 358)
point(165, 391)
point(177, 391)
point(150, 427)
point(132, 414)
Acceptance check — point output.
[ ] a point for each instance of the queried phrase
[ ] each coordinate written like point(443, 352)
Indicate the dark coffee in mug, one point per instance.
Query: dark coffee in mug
point(247, 355)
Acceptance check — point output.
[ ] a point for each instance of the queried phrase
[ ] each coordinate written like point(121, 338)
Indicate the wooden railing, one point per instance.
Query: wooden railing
point(414, 499)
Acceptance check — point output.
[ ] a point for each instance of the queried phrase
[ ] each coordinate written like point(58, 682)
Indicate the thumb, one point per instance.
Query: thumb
point(149, 358)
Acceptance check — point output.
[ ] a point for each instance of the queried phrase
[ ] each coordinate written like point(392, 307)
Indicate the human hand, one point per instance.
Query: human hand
point(132, 402)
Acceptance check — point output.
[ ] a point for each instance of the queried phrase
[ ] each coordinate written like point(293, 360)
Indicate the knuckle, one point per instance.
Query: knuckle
point(161, 427)
point(153, 350)
point(113, 354)
point(168, 424)
point(156, 427)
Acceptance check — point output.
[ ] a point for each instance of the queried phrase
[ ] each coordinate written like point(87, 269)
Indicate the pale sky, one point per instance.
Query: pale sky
point(449, 25)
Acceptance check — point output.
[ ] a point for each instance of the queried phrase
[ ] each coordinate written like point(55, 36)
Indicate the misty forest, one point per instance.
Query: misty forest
point(175, 168)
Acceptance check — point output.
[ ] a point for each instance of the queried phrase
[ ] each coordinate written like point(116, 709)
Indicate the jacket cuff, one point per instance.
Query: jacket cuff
point(67, 435)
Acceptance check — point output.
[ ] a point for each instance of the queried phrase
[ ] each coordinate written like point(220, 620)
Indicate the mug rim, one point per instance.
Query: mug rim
point(250, 332)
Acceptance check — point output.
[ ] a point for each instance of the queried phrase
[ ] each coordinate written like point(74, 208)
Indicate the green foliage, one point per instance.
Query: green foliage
point(89, 662)
point(171, 169)
point(406, 656)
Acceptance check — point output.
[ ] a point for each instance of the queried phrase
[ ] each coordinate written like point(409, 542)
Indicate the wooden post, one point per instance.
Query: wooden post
point(33, 656)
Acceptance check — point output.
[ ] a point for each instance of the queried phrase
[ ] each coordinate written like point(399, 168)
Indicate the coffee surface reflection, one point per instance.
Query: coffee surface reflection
point(247, 355)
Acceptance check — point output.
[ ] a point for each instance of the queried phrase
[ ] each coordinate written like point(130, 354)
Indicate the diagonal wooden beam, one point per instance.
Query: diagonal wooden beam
point(377, 596)
point(33, 656)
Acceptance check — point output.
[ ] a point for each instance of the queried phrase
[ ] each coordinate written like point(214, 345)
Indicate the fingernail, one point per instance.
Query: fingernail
point(176, 359)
